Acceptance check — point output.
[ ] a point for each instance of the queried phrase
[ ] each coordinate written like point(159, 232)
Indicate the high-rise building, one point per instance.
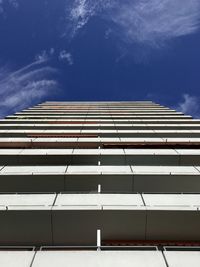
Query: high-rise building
point(99, 184)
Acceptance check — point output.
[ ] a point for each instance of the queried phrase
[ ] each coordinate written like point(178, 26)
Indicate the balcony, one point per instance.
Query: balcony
point(73, 219)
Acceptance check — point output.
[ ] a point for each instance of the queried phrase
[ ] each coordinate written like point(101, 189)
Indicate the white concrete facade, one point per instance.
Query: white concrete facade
point(129, 170)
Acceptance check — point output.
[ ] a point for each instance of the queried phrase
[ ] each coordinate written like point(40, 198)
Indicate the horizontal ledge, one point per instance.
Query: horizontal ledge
point(113, 145)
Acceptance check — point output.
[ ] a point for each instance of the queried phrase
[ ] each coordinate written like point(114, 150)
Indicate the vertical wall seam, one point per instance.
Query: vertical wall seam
point(33, 259)
point(165, 259)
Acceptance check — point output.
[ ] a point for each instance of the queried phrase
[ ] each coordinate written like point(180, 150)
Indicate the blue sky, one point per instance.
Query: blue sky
point(100, 50)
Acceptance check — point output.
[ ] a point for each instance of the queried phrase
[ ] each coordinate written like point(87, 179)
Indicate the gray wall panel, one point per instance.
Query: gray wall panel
point(25, 227)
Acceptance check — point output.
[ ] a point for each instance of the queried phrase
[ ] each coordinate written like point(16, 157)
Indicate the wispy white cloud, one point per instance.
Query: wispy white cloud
point(189, 105)
point(66, 56)
point(60, 55)
point(12, 3)
point(154, 21)
point(42, 56)
point(25, 86)
point(149, 22)
point(1, 7)
point(45, 55)
point(80, 12)
point(51, 51)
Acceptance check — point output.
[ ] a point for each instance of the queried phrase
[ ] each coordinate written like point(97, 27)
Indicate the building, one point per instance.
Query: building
point(99, 184)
